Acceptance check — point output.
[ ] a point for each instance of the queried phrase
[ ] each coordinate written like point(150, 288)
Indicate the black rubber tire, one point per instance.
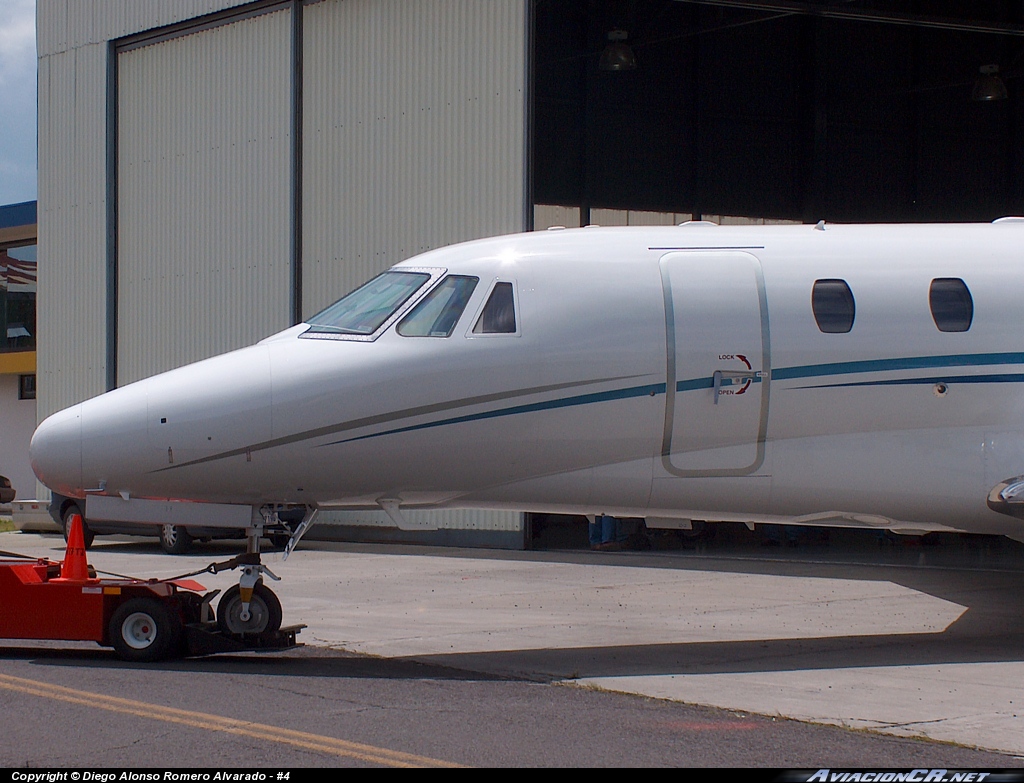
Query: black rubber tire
point(87, 534)
point(264, 609)
point(144, 630)
point(175, 540)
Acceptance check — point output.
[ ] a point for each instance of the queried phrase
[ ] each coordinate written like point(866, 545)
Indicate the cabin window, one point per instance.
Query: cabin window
point(364, 310)
point(499, 314)
point(951, 304)
point(440, 310)
point(833, 306)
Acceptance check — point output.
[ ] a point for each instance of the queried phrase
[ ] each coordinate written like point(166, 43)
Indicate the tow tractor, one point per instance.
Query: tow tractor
point(142, 619)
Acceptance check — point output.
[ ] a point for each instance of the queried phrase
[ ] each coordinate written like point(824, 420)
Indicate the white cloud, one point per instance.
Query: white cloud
point(17, 38)
point(18, 99)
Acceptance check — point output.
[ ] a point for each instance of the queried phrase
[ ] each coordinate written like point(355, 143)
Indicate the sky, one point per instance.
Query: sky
point(17, 101)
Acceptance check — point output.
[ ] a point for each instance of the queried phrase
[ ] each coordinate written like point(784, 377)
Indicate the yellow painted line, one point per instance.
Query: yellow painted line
point(201, 720)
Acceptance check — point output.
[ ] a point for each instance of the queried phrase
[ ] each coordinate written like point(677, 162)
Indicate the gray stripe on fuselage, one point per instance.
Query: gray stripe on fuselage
point(394, 416)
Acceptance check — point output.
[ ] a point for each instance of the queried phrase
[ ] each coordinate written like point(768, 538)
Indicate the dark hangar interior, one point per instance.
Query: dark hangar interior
point(847, 111)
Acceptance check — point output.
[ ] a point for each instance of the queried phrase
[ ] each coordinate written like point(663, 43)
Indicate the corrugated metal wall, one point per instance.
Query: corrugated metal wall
point(69, 24)
point(414, 137)
point(414, 123)
point(72, 250)
point(72, 44)
point(203, 194)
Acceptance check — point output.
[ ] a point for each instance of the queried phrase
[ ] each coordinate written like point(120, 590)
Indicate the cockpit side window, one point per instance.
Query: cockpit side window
point(499, 314)
point(362, 311)
point(440, 310)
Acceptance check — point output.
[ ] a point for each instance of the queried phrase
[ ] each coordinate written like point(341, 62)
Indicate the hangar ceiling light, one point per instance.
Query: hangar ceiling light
point(617, 55)
point(988, 86)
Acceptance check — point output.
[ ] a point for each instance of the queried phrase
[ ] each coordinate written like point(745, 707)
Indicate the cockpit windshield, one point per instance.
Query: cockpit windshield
point(437, 313)
point(364, 310)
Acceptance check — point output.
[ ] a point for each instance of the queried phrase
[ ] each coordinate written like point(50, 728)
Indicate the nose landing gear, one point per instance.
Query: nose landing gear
point(250, 607)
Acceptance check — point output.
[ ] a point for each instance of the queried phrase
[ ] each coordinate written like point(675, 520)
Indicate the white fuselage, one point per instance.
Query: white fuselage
point(604, 398)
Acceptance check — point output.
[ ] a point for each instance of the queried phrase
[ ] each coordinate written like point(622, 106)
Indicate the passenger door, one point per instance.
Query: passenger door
point(718, 363)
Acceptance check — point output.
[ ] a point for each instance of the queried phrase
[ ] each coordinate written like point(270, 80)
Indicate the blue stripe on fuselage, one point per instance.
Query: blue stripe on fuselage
point(583, 399)
point(1001, 378)
point(905, 363)
point(784, 373)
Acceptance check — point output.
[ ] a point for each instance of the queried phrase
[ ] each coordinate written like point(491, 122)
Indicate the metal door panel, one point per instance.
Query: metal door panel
point(718, 363)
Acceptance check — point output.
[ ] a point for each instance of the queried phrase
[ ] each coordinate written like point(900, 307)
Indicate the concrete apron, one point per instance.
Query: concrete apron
point(935, 653)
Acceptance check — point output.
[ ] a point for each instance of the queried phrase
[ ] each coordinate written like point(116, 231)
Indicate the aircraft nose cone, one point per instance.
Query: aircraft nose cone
point(56, 451)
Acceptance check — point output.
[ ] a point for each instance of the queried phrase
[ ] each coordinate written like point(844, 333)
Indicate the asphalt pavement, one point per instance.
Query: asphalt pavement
point(923, 644)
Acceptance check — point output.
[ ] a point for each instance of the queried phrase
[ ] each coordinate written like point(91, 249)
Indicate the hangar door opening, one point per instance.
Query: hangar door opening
point(880, 112)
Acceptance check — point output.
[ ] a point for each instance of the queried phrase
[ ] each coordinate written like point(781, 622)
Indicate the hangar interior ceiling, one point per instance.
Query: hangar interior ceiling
point(844, 111)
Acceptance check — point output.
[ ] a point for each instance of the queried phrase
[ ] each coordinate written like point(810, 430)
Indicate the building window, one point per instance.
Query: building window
point(27, 387)
point(18, 298)
point(833, 306)
point(951, 304)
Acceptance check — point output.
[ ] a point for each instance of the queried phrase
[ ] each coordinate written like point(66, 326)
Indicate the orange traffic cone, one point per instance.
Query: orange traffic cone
point(75, 567)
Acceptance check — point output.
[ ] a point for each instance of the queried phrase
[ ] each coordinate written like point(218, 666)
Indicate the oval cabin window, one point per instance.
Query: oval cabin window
point(833, 306)
point(951, 304)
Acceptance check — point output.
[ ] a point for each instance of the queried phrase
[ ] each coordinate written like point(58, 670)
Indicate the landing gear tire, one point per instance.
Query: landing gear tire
point(65, 520)
point(175, 540)
point(144, 630)
point(264, 611)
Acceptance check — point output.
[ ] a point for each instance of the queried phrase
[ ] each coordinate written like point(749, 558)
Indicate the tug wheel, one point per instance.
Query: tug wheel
point(264, 611)
point(144, 629)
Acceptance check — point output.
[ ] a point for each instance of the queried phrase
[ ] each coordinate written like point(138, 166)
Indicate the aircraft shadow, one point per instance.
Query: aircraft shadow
point(545, 665)
point(298, 662)
point(736, 657)
point(989, 630)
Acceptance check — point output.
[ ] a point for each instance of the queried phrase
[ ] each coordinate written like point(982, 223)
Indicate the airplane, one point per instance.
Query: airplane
point(860, 376)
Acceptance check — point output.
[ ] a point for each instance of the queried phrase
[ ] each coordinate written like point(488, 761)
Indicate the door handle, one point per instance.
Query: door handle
point(732, 375)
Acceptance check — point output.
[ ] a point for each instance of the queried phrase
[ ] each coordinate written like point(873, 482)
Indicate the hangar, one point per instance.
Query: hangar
point(213, 171)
